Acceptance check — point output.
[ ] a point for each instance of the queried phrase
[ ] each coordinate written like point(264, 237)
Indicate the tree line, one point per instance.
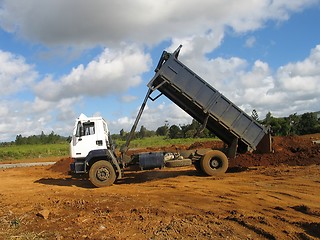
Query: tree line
point(294, 124)
point(43, 138)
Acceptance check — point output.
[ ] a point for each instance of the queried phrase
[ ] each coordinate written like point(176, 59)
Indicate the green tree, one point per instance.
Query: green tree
point(293, 120)
point(39, 139)
point(279, 126)
point(43, 137)
point(308, 124)
point(190, 130)
point(268, 119)
point(174, 132)
point(19, 139)
point(122, 135)
point(162, 131)
point(142, 132)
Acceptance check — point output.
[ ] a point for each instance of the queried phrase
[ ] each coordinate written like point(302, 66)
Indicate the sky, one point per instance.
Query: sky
point(60, 58)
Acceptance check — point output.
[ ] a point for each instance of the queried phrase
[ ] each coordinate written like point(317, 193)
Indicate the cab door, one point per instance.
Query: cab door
point(84, 139)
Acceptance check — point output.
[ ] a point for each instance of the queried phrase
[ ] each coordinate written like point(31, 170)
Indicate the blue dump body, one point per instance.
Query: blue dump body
point(206, 104)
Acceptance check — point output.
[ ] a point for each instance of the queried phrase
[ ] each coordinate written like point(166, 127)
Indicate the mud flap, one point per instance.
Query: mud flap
point(265, 145)
point(232, 150)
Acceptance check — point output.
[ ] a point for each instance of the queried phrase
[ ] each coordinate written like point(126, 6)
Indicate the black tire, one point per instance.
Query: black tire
point(102, 174)
point(178, 163)
point(214, 163)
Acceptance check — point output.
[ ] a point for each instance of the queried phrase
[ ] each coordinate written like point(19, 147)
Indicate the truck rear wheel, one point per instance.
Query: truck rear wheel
point(214, 163)
point(102, 174)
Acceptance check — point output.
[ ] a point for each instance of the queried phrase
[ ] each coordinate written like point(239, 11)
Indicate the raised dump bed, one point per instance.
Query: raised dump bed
point(208, 106)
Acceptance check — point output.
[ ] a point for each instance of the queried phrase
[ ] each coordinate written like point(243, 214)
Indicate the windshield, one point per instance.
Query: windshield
point(85, 129)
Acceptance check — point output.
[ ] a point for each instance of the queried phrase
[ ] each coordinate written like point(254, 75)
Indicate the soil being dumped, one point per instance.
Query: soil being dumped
point(290, 150)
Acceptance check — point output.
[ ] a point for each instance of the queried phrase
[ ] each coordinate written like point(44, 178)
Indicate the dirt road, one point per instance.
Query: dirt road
point(17, 165)
point(261, 202)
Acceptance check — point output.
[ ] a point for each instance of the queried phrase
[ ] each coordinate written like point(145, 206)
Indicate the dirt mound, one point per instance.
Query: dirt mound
point(62, 166)
point(210, 144)
point(290, 150)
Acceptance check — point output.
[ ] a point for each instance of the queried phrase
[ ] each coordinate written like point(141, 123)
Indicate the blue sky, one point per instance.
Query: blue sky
point(62, 58)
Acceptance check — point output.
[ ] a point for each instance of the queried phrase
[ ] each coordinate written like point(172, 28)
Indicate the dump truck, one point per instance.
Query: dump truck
point(93, 151)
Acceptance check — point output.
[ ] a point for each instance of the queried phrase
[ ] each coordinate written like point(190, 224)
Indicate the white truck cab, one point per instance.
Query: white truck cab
point(92, 151)
point(89, 133)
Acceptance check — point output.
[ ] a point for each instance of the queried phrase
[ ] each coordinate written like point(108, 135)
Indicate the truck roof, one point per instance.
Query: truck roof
point(83, 117)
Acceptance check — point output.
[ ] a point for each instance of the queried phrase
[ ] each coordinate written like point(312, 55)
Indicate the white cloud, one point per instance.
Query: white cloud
point(154, 116)
point(107, 22)
point(111, 73)
point(128, 98)
point(16, 78)
point(301, 77)
point(53, 106)
point(300, 83)
point(121, 123)
point(32, 117)
point(292, 88)
point(15, 74)
point(195, 46)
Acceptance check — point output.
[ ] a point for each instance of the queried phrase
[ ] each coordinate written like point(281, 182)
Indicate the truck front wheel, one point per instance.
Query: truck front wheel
point(214, 163)
point(102, 174)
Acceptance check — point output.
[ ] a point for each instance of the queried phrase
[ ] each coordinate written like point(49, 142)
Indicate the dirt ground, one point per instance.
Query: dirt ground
point(262, 196)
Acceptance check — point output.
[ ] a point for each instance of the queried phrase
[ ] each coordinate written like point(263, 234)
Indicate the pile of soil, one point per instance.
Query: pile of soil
point(210, 144)
point(62, 166)
point(289, 150)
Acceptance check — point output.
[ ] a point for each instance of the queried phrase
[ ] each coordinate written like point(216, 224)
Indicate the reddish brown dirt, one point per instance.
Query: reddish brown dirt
point(291, 150)
point(277, 197)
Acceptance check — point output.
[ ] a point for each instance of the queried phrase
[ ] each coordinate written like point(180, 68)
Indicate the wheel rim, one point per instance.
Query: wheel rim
point(215, 163)
point(103, 174)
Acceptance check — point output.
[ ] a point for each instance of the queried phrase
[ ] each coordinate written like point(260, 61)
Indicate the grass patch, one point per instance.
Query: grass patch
point(17, 152)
